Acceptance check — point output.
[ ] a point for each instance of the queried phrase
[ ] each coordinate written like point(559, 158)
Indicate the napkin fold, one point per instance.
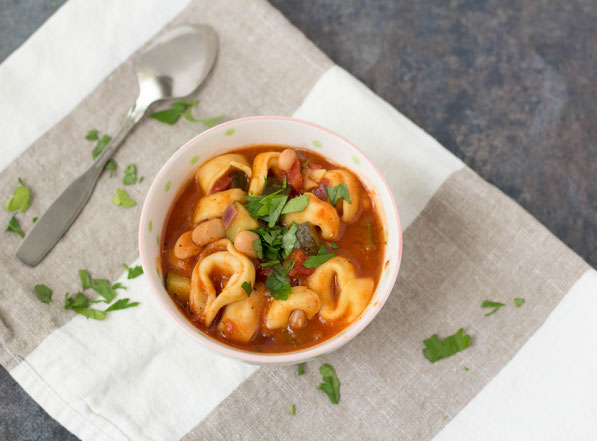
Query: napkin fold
point(136, 376)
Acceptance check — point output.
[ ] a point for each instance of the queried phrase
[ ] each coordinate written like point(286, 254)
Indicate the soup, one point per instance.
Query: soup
point(272, 249)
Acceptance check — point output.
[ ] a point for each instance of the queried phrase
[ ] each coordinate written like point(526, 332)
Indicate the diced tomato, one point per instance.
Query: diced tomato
point(221, 184)
point(299, 270)
point(294, 177)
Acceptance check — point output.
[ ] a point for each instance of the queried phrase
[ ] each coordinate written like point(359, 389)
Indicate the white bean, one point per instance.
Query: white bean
point(185, 247)
point(243, 242)
point(209, 231)
point(297, 319)
point(287, 159)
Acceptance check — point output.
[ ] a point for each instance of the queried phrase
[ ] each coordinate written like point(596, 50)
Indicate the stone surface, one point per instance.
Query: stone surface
point(510, 87)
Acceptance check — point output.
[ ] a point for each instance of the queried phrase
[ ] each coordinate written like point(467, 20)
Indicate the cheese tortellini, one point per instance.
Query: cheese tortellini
point(261, 166)
point(337, 177)
point(318, 213)
point(240, 320)
point(353, 292)
point(203, 301)
point(209, 173)
point(214, 205)
point(301, 298)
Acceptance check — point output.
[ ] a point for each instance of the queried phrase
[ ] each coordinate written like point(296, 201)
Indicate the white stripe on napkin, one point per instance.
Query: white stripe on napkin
point(66, 58)
point(414, 164)
point(547, 391)
point(133, 376)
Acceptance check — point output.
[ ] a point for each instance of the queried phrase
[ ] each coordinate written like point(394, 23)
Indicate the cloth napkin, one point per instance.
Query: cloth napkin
point(528, 373)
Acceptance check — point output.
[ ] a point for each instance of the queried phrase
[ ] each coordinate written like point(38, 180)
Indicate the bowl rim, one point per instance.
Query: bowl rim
point(276, 358)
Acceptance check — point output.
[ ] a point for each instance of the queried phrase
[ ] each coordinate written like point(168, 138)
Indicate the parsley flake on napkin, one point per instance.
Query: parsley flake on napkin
point(20, 199)
point(133, 272)
point(437, 349)
point(330, 384)
point(491, 304)
point(14, 227)
point(44, 294)
point(122, 198)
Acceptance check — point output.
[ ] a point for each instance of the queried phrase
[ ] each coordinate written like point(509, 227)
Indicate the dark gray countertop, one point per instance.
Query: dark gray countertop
point(510, 87)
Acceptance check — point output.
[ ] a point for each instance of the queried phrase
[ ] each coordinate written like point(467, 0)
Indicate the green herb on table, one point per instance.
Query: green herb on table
point(518, 302)
point(111, 167)
point(466, 369)
point(301, 368)
point(118, 285)
point(80, 304)
point(141, 179)
point(20, 199)
point(330, 384)
point(14, 227)
point(86, 280)
point(322, 257)
point(133, 272)
point(338, 192)
point(491, 304)
point(130, 175)
point(44, 294)
point(292, 409)
point(121, 304)
point(247, 287)
point(172, 115)
point(34, 219)
point(122, 198)
point(104, 289)
point(437, 349)
point(100, 146)
point(92, 135)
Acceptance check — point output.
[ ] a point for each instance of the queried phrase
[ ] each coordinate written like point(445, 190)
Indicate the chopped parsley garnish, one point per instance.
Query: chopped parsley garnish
point(466, 368)
point(172, 115)
point(277, 281)
point(518, 302)
point(85, 279)
point(258, 248)
point(104, 289)
point(80, 304)
point(330, 384)
point(296, 204)
point(20, 199)
point(322, 257)
point(141, 179)
point(14, 227)
point(211, 122)
point(44, 294)
point(34, 219)
point(301, 368)
point(334, 245)
point(130, 175)
point(304, 164)
point(92, 135)
point(247, 287)
point(436, 349)
point(118, 285)
point(269, 263)
point(122, 198)
point(121, 304)
point(276, 243)
point(491, 304)
point(292, 409)
point(100, 146)
point(110, 166)
point(133, 272)
point(338, 192)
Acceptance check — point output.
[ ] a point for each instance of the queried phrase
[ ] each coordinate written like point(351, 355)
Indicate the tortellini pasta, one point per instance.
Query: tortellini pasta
point(214, 205)
point(261, 165)
point(301, 298)
point(312, 177)
point(318, 213)
point(353, 292)
point(240, 320)
point(203, 301)
point(209, 173)
point(337, 177)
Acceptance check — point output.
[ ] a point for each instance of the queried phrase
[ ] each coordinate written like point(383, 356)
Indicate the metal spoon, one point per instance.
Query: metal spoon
point(171, 68)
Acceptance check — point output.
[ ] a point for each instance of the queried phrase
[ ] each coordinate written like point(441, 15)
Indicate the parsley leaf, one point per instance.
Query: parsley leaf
point(212, 122)
point(518, 302)
point(173, 114)
point(130, 175)
point(44, 294)
point(296, 204)
point(80, 304)
point(301, 368)
point(133, 272)
point(338, 192)
point(331, 384)
point(34, 219)
point(20, 199)
point(334, 245)
point(14, 227)
point(92, 135)
point(258, 248)
point(247, 287)
point(322, 257)
point(91, 313)
point(289, 240)
point(100, 146)
point(437, 349)
point(118, 285)
point(122, 198)
point(490, 304)
point(277, 282)
point(292, 409)
point(104, 289)
point(85, 279)
point(111, 166)
point(121, 304)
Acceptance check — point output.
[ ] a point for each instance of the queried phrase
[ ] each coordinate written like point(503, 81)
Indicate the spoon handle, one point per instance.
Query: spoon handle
point(57, 219)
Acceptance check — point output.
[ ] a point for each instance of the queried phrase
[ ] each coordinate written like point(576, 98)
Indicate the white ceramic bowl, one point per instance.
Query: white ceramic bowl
point(266, 130)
